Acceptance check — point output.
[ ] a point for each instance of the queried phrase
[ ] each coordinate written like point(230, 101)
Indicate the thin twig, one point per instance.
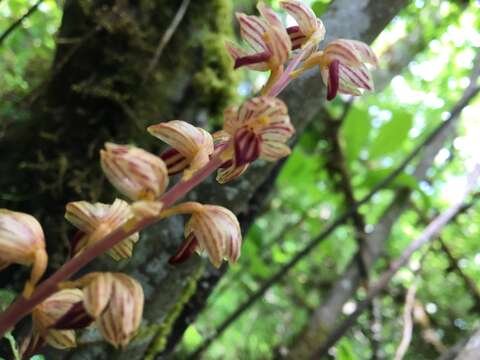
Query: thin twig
point(407, 322)
point(430, 233)
point(167, 36)
point(19, 21)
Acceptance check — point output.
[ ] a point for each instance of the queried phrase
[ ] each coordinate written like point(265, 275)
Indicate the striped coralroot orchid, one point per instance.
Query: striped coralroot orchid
point(310, 29)
point(46, 315)
point(134, 172)
point(211, 229)
point(115, 301)
point(259, 129)
point(191, 146)
point(343, 67)
point(268, 38)
point(22, 242)
point(96, 220)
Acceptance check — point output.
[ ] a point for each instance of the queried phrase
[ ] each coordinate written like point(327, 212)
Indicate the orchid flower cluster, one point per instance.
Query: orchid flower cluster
point(258, 129)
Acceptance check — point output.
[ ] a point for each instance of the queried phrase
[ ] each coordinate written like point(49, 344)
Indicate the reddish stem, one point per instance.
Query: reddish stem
point(22, 306)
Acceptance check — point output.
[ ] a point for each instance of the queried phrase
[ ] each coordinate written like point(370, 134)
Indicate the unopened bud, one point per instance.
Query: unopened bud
point(115, 300)
point(134, 172)
point(22, 242)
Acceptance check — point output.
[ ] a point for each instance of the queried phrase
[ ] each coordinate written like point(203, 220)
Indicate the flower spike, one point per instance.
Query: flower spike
point(310, 29)
point(115, 300)
point(191, 146)
point(96, 220)
point(135, 172)
point(259, 129)
point(22, 242)
point(269, 40)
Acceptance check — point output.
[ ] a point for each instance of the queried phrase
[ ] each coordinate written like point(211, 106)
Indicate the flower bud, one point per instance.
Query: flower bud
point(134, 172)
point(22, 242)
point(115, 300)
point(46, 314)
point(213, 229)
point(96, 221)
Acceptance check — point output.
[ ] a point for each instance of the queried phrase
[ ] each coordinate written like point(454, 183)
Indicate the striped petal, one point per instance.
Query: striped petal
point(241, 57)
point(96, 220)
point(180, 135)
point(297, 37)
point(97, 292)
point(192, 145)
point(230, 173)
point(252, 30)
point(175, 161)
point(217, 231)
point(116, 301)
point(22, 242)
point(351, 80)
point(121, 319)
point(46, 314)
point(246, 145)
point(20, 236)
point(133, 171)
point(309, 24)
point(350, 53)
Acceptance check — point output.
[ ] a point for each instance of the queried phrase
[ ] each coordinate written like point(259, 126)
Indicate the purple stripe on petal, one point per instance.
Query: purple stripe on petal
point(186, 250)
point(333, 80)
point(247, 146)
point(75, 318)
point(293, 29)
point(251, 59)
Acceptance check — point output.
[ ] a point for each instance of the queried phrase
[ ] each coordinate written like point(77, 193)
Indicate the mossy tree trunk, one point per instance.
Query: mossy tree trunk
point(98, 90)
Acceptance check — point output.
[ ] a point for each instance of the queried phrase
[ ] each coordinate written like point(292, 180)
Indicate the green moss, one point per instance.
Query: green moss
point(160, 332)
point(216, 81)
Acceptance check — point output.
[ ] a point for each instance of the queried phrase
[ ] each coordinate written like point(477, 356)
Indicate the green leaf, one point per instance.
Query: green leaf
point(6, 298)
point(391, 135)
point(345, 350)
point(403, 180)
point(320, 7)
point(354, 132)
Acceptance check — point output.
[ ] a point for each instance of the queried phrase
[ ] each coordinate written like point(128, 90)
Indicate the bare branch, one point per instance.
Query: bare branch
point(19, 21)
point(168, 35)
point(407, 323)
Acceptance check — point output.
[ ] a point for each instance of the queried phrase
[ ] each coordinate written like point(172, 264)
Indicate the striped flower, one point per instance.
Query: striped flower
point(115, 300)
point(259, 129)
point(97, 220)
point(343, 67)
point(134, 172)
point(190, 146)
point(46, 315)
point(310, 29)
point(267, 37)
point(22, 242)
point(211, 229)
